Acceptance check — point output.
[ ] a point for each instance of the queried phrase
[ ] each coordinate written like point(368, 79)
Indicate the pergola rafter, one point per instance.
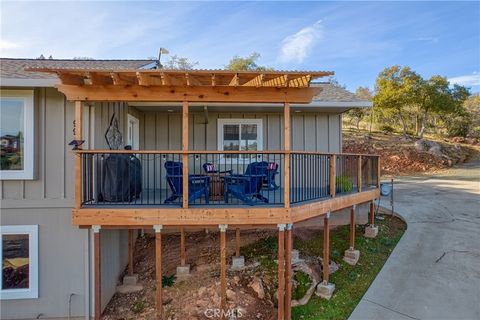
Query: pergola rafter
point(186, 85)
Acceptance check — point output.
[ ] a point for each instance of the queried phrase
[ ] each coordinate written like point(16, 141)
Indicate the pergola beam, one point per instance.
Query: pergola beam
point(155, 93)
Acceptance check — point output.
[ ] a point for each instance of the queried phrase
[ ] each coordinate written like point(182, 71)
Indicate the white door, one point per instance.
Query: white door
point(133, 136)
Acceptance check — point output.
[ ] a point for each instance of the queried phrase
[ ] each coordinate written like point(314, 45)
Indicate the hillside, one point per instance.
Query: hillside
point(403, 156)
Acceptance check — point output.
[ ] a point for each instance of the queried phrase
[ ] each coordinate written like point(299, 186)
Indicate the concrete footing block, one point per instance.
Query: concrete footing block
point(130, 279)
point(325, 290)
point(183, 271)
point(296, 257)
point(371, 232)
point(351, 256)
point(238, 263)
point(130, 284)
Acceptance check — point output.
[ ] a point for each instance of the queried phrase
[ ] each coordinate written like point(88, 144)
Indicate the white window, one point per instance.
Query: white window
point(240, 135)
point(16, 134)
point(19, 246)
point(133, 136)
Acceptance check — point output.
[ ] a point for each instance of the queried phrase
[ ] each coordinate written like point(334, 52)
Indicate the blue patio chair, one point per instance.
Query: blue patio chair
point(247, 187)
point(198, 185)
point(270, 169)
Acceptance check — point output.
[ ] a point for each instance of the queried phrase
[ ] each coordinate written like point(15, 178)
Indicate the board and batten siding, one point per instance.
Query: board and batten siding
point(310, 131)
point(54, 182)
point(47, 201)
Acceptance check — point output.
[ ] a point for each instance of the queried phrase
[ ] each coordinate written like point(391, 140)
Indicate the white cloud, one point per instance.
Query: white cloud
point(7, 45)
point(466, 80)
point(296, 47)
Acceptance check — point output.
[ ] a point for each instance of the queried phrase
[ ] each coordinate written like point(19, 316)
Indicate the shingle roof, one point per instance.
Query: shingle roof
point(15, 68)
point(334, 93)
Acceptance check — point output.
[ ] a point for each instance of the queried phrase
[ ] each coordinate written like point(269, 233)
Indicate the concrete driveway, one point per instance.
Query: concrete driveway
point(434, 272)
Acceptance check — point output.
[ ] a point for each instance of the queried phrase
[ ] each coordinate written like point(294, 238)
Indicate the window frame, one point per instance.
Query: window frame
point(221, 122)
point(29, 128)
point(32, 291)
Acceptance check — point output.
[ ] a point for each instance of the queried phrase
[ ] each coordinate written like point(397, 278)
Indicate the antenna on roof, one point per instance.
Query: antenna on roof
point(164, 51)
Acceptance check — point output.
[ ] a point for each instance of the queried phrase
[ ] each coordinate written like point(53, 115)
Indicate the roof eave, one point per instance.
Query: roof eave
point(16, 82)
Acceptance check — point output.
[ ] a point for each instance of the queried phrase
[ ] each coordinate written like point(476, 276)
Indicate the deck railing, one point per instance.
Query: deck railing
point(220, 178)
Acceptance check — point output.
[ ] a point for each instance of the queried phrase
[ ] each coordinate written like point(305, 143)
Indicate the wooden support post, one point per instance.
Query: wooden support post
point(78, 130)
point(281, 271)
point(379, 171)
point(97, 272)
point(237, 242)
point(185, 155)
point(333, 174)
point(223, 267)
point(183, 256)
point(286, 148)
point(288, 273)
point(372, 214)
point(359, 173)
point(158, 271)
point(131, 245)
point(352, 227)
point(326, 248)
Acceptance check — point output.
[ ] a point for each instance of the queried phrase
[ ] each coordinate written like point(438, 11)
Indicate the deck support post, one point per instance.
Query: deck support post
point(351, 255)
point(288, 272)
point(78, 135)
point(333, 174)
point(97, 272)
point(281, 271)
point(238, 261)
point(223, 268)
point(183, 256)
point(158, 271)
point(131, 245)
point(286, 160)
point(183, 270)
point(325, 289)
point(371, 231)
point(185, 155)
point(359, 173)
point(237, 242)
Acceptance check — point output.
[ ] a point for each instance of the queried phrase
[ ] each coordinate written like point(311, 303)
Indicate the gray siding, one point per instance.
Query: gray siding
point(47, 201)
point(310, 131)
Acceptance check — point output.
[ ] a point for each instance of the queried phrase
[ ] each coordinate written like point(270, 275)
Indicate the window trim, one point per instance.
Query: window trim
point(32, 291)
point(222, 122)
point(29, 144)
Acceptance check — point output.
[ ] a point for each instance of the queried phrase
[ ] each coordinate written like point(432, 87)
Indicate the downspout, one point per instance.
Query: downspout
point(87, 254)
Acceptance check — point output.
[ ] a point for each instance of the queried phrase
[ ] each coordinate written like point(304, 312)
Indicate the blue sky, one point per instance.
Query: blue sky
point(354, 39)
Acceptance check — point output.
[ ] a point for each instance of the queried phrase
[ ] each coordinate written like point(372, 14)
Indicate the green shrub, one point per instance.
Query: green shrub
point(459, 127)
point(387, 128)
point(168, 281)
point(343, 183)
point(138, 307)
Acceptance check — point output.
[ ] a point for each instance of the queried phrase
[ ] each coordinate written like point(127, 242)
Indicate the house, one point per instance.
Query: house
point(210, 148)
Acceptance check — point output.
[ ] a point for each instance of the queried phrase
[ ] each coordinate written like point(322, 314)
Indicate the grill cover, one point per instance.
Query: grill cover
point(122, 178)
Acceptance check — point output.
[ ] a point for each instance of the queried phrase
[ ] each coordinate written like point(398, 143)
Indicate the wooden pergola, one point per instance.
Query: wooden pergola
point(185, 86)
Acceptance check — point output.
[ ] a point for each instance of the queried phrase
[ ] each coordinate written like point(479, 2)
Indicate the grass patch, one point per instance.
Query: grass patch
point(303, 283)
point(351, 281)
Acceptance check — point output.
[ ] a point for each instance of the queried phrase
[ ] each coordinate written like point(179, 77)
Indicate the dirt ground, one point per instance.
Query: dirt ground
point(399, 156)
point(198, 295)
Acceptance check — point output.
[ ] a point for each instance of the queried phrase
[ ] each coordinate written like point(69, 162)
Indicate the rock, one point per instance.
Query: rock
point(231, 294)
point(236, 280)
point(201, 291)
point(257, 286)
point(420, 145)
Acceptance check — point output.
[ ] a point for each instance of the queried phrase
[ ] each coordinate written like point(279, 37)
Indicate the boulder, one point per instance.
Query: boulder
point(257, 286)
